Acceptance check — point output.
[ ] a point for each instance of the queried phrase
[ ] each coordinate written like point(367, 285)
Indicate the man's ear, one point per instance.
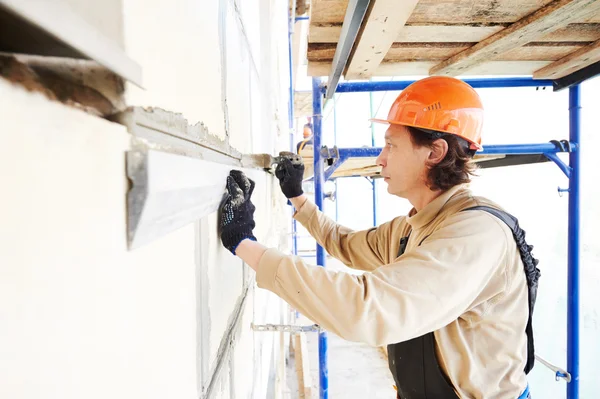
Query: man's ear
point(438, 151)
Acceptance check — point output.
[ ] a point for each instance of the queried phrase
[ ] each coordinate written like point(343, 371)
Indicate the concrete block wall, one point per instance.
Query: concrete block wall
point(81, 315)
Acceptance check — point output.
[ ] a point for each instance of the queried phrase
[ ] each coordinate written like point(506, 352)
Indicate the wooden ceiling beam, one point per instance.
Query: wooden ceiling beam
point(571, 63)
point(383, 24)
point(330, 33)
point(415, 68)
point(554, 16)
point(436, 52)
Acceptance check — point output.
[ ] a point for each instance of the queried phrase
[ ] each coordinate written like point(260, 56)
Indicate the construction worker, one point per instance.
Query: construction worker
point(449, 288)
point(307, 136)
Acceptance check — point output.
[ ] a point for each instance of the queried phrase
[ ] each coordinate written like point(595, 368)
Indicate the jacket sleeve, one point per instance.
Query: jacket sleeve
point(426, 289)
point(363, 250)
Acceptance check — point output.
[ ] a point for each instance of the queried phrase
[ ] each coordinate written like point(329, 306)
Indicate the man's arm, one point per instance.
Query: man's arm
point(362, 250)
point(297, 202)
point(251, 252)
point(429, 287)
point(422, 292)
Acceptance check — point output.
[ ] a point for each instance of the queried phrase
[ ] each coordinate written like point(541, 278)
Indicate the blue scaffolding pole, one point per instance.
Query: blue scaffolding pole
point(480, 83)
point(573, 247)
point(319, 183)
point(550, 150)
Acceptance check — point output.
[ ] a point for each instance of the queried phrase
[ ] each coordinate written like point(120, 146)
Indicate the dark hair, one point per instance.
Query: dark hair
point(456, 167)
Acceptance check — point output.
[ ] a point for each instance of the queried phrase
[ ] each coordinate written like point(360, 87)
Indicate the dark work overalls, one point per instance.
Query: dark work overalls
point(414, 363)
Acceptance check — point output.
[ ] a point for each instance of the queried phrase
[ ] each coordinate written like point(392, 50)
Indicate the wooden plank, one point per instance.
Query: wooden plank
point(326, 11)
point(469, 11)
point(323, 52)
point(571, 63)
point(446, 33)
point(539, 52)
point(595, 18)
point(452, 12)
point(421, 68)
point(480, 11)
point(433, 51)
point(424, 51)
point(573, 33)
point(384, 21)
point(487, 68)
point(303, 366)
point(549, 18)
point(329, 33)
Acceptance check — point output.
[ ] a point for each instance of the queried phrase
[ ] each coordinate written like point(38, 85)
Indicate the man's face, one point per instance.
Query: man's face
point(403, 165)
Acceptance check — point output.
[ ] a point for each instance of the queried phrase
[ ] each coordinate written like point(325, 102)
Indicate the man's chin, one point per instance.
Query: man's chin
point(391, 190)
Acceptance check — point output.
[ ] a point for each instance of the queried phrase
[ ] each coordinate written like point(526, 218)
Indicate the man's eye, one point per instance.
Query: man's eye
point(389, 145)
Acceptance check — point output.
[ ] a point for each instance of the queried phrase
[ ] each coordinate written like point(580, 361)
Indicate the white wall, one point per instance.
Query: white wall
point(81, 315)
point(223, 64)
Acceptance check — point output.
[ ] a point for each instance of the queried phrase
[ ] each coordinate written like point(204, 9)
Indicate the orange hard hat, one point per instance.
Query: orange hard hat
point(442, 104)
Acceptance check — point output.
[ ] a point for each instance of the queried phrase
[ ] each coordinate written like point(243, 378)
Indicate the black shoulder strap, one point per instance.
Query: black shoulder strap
point(532, 273)
point(507, 218)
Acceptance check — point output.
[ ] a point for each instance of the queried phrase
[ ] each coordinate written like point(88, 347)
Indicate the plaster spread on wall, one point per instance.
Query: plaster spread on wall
point(171, 132)
point(168, 190)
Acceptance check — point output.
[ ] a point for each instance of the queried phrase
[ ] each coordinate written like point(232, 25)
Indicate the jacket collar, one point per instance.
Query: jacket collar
point(420, 219)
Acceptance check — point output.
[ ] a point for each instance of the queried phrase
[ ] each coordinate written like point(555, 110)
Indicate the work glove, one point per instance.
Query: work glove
point(290, 175)
point(236, 213)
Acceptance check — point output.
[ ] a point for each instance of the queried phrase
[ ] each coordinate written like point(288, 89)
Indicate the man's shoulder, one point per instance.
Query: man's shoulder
point(465, 199)
point(459, 210)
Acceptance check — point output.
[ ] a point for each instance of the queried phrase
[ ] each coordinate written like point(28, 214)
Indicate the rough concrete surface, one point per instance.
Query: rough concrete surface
point(89, 318)
point(82, 316)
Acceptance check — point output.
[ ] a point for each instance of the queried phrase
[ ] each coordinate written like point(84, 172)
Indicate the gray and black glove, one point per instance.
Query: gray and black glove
point(290, 175)
point(236, 213)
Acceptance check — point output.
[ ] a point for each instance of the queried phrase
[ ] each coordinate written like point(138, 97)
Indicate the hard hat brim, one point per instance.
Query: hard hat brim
point(380, 121)
point(474, 146)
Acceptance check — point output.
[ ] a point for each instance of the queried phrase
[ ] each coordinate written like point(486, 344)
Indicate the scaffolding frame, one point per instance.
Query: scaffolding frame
point(336, 156)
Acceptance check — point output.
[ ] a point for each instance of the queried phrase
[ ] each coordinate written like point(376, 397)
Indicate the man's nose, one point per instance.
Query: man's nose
point(381, 159)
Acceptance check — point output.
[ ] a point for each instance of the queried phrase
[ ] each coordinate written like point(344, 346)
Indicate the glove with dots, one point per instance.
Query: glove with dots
point(236, 213)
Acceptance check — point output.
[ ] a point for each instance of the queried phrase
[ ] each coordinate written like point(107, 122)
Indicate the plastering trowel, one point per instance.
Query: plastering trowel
point(267, 161)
